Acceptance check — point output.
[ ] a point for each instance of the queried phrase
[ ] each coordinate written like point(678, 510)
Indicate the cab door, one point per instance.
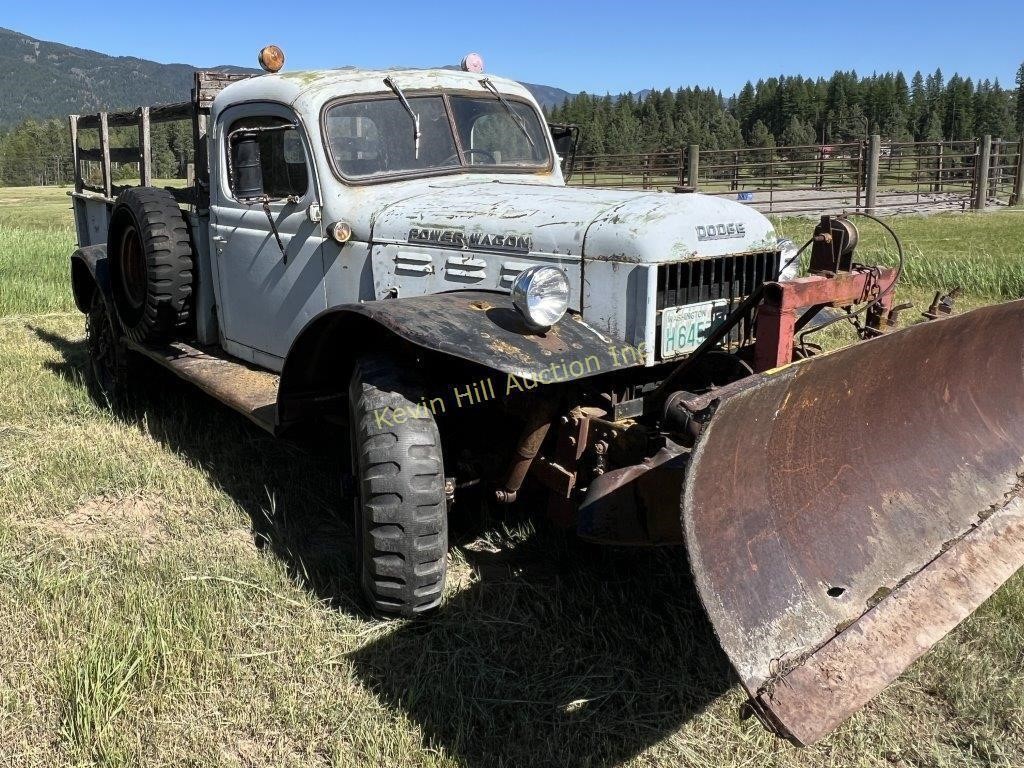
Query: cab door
point(266, 236)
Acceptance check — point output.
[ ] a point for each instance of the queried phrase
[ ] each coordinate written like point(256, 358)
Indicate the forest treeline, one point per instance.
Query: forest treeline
point(793, 111)
point(783, 111)
point(39, 152)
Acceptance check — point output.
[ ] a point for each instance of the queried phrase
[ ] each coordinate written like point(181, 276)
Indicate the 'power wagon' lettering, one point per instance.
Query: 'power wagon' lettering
point(511, 243)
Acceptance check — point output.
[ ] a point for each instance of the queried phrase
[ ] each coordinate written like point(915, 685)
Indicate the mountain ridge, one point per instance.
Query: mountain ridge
point(41, 79)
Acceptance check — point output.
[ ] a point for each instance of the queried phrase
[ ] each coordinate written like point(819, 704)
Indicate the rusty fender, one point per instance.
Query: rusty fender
point(476, 326)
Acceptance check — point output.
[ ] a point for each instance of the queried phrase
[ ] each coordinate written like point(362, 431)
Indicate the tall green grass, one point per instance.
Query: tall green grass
point(34, 270)
point(97, 687)
point(982, 273)
point(36, 239)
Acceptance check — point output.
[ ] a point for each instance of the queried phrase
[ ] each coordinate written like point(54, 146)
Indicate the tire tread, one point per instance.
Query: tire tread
point(403, 511)
point(165, 238)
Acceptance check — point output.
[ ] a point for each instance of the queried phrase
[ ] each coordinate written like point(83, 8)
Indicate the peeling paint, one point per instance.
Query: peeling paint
point(305, 77)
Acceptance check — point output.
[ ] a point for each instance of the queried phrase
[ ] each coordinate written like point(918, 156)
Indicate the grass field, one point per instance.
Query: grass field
point(176, 589)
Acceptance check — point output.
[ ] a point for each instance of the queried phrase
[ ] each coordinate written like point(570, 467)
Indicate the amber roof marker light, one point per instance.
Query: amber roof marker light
point(271, 58)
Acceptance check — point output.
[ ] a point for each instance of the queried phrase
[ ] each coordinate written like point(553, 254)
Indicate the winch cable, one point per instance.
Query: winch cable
point(852, 316)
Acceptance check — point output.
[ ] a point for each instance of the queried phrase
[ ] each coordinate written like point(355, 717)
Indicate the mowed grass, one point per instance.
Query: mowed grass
point(176, 588)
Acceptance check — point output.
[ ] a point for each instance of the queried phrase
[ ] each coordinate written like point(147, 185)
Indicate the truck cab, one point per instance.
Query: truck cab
point(305, 166)
point(322, 190)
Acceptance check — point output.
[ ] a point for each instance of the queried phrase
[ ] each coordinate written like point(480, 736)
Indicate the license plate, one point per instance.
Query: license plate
point(684, 328)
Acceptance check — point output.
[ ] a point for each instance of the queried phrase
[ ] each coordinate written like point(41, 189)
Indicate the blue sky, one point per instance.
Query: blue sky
point(597, 46)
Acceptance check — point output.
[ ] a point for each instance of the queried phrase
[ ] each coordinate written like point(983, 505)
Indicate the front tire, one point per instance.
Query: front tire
point(400, 508)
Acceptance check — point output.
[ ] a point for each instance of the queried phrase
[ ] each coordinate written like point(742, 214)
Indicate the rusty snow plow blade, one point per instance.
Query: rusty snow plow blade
point(844, 513)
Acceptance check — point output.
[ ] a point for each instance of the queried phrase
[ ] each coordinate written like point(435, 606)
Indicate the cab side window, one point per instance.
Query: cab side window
point(266, 159)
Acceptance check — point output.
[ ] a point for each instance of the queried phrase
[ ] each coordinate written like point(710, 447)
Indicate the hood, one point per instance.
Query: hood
point(599, 224)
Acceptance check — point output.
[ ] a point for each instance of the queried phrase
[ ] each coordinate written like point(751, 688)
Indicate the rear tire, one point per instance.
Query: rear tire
point(108, 357)
point(399, 501)
point(150, 255)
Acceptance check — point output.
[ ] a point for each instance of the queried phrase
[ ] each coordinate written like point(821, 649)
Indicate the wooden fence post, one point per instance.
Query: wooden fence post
point(995, 162)
point(871, 185)
point(937, 187)
point(693, 166)
point(1017, 198)
point(981, 173)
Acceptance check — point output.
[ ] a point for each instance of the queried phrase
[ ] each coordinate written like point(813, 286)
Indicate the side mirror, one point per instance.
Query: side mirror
point(565, 138)
point(245, 161)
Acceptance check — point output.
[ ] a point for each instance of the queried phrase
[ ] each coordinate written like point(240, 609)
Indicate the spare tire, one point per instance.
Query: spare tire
point(149, 250)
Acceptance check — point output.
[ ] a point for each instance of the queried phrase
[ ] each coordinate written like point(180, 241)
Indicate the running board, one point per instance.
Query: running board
point(250, 391)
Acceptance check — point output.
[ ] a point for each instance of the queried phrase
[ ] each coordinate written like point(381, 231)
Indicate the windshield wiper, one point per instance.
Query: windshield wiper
point(516, 117)
point(390, 83)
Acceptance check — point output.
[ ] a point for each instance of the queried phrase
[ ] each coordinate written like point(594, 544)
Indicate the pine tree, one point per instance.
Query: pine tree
point(1019, 114)
point(958, 122)
point(918, 107)
point(760, 136)
point(745, 105)
point(799, 134)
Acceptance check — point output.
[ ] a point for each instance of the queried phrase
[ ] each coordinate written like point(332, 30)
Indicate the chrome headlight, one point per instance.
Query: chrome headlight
point(789, 250)
point(541, 294)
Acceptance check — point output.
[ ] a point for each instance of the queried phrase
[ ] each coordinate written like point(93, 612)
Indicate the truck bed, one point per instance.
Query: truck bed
point(250, 391)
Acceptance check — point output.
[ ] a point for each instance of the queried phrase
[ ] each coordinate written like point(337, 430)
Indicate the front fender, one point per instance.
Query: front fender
point(89, 273)
point(477, 326)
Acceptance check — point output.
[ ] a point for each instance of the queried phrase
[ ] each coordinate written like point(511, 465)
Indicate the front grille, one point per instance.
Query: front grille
point(727, 277)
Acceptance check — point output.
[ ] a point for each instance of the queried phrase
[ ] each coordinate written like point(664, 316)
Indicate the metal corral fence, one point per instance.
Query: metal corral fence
point(1006, 172)
point(869, 175)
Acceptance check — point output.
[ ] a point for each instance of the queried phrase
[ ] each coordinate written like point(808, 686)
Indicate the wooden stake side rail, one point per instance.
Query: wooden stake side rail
point(206, 85)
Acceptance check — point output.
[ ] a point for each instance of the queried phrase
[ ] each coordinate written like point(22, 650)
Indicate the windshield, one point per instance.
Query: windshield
point(376, 137)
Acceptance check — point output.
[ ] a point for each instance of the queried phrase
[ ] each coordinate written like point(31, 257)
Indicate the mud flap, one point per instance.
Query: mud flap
point(844, 513)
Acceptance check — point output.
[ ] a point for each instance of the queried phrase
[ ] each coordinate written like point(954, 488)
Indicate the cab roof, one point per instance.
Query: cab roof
point(310, 89)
